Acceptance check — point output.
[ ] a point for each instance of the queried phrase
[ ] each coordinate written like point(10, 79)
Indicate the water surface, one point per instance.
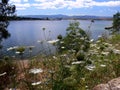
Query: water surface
point(27, 33)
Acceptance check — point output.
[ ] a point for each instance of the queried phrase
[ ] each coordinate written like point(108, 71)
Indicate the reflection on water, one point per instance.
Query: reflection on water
point(28, 33)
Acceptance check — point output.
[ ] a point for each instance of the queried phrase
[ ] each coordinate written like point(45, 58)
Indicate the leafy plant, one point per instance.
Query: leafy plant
point(75, 40)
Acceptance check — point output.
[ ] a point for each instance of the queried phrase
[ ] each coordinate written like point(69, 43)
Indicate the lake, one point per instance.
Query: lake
point(28, 33)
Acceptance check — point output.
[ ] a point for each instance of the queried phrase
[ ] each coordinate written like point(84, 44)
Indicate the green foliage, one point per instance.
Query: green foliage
point(76, 39)
point(115, 38)
point(5, 1)
point(69, 81)
point(116, 24)
point(20, 50)
point(5, 10)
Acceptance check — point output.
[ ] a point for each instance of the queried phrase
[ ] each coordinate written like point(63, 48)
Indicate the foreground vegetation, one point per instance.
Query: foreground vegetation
point(79, 66)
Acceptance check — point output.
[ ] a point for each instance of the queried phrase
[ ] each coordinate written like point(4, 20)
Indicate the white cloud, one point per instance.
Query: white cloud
point(25, 0)
point(23, 5)
point(57, 4)
point(91, 3)
point(44, 0)
point(18, 1)
point(109, 3)
point(44, 5)
point(15, 1)
point(51, 5)
point(20, 6)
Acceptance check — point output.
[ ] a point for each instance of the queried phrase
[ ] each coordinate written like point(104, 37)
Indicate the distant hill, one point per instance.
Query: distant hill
point(93, 17)
point(60, 17)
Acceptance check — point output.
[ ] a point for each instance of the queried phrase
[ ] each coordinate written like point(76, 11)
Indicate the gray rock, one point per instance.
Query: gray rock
point(114, 84)
point(102, 87)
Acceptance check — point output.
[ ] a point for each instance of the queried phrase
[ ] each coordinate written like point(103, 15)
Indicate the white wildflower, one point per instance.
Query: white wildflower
point(62, 47)
point(102, 65)
point(17, 52)
point(116, 51)
point(92, 52)
point(108, 44)
point(97, 48)
point(77, 62)
point(90, 67)
point(15, 47)
point(8, 49)
point(53, 41)
point(91, 40)
point(82, 38)
point(64, 55)
point(98, 41)
point(93, 45)
point(54, 57)
point(83, 79)
point(36, 83)
point(61, 42)
point(67, 66)
point(12, 48)
point(35, 70)
point(105, 53)
point(3, 74)
point(51, 71)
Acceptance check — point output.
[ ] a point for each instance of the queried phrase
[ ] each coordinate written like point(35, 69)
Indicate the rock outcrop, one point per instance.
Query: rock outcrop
point(114, 84)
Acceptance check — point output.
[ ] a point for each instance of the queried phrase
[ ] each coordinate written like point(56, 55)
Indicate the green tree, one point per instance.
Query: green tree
point(6, 10)
point(116, 23)
point(7, 68)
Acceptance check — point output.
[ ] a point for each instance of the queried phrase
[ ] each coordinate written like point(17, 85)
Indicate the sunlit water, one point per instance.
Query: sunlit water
point(28, 33)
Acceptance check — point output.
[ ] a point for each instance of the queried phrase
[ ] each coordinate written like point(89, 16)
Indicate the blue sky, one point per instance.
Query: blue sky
point(66, 7)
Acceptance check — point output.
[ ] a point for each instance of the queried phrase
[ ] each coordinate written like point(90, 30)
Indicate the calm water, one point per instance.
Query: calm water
point(27, 33)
